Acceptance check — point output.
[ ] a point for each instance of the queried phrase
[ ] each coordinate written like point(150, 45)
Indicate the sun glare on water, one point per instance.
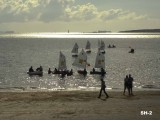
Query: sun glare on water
point(82, 35)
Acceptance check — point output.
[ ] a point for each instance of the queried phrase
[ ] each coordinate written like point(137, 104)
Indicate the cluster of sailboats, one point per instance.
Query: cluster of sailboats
point(81, 61)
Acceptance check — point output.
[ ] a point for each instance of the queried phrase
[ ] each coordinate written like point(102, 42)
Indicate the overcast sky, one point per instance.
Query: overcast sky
point(78, 15)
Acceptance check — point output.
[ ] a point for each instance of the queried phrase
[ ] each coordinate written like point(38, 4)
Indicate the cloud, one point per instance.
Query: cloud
point(110, 14)
point(58, 10)
point(28, 10)
point(90, 11)
point(132, 16)
point(81, 12)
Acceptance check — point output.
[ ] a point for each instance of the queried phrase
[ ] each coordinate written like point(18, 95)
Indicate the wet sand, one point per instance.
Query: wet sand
point(79, 105)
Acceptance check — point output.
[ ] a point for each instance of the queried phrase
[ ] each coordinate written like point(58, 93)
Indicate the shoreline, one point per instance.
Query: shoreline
point(78, 105)
point(35, 89)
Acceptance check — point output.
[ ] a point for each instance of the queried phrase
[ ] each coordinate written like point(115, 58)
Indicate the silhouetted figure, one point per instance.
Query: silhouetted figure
point(49, 71)
point(85, 71)
point(93, 70)
point(31, 69)
point(55, 70)
point(126, 84)
point(71, 72)
point(109, 46)
point(130, 84)
point(102, 70)
point(113, 46)
point(103, 86)
point(40, 68)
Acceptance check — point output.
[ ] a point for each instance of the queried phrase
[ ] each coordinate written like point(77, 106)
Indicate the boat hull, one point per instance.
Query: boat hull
point(68, 73)
point(82, 72)
point(40, 73)
point(89, 51)
point(97, 72)
point(74, 55)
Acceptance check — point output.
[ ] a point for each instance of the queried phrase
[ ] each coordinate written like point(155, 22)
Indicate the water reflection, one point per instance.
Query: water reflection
point(82, 35)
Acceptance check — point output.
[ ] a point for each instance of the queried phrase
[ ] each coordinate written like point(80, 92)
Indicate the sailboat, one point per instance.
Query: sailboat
point(101, 46)
point(81, 62)
point(75, 50)
point(62, 68)
point(99, 63)
point(88, 47)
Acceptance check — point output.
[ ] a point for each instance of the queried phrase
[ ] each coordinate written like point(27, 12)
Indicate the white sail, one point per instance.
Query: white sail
point(81, 60)
point(88, 45)
point(99, 44)
point(102, 46)
point(100, 60)
point(62, 62)
point(75, 49)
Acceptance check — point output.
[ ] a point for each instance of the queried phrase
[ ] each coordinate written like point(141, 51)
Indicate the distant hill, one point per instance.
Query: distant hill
point(142, 30)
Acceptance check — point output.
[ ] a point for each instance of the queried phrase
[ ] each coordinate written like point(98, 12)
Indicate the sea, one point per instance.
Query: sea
point(20, 51)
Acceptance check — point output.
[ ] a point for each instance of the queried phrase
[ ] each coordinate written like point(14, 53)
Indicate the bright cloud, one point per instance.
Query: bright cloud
point(67, 14)
point(120, 14)
point(81, 12)
point(58, 10)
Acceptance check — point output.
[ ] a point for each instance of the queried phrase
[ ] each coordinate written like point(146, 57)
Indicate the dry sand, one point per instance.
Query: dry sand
point(78, 105)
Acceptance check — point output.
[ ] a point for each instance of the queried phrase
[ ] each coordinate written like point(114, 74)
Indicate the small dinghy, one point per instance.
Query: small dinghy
point(39, 71)
point(62, 68)
point(131, 51)
point(100, 64)
point(81, 62)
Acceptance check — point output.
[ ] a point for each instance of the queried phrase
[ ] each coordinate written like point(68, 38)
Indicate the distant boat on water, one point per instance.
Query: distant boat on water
point(75, 50)
point(81, 62)
point(39, 71)
point(88, 47)
point(113, 46)
point(131, 51)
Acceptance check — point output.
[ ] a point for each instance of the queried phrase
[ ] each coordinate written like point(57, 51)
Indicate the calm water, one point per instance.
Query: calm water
point(19, 52)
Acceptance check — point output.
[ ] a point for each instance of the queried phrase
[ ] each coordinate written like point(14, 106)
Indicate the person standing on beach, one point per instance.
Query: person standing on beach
point(130, 84)
point(103, 86)
point(125, 84)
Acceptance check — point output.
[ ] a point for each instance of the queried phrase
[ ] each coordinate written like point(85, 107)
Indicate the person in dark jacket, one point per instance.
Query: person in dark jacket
point(31, 69)
point(49, 71)
point(126, 84)
point(103, 86)
point(130, 84)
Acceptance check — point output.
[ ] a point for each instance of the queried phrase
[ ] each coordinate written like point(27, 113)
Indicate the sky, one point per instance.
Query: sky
point(24, 16)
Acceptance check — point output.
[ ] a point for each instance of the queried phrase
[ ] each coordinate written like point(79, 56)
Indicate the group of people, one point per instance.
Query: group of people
point(63, 72)
point(128, 84)
point(38, 69)
point(113, 46)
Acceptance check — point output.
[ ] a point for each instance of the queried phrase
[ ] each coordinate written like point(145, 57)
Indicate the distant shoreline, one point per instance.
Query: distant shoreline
point(141, 31)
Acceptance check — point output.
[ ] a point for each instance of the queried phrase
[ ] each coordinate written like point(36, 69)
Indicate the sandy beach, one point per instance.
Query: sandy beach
point(79, 105)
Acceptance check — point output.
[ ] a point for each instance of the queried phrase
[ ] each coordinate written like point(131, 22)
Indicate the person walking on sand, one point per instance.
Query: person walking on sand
point(130, 84)
point(125, 84)
point(103, 86)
